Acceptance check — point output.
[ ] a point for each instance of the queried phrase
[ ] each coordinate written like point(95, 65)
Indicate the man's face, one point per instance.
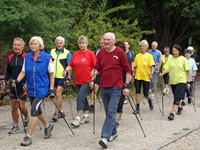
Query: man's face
point(108, 41)
point(187, 55)
point(153, 46)
point(18, 47)
point(59, 44)
point(101, 44)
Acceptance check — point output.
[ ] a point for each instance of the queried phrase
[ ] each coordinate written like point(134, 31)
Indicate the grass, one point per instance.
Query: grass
point(185, 129)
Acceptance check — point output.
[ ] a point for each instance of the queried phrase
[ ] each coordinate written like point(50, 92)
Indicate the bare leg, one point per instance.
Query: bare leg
point(15, 113)
point(59, 91)
point(23, 109)
point(32, 125)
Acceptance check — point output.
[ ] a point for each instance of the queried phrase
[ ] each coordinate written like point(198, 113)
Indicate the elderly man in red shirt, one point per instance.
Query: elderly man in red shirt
point(111, 61)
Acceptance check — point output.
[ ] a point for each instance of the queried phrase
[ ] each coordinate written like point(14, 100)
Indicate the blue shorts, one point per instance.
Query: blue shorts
point(59, 82)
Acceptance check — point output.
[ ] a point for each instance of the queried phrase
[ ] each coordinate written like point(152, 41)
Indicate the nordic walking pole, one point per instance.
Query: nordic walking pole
point(136, 117)
point(161, 89)
point(135, 104)
point(51, 97)
point(68, 94)
point(94, 97)
point(19, 107)
point(192, 100)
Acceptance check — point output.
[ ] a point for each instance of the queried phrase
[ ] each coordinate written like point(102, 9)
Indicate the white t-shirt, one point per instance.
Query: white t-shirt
point(50, 67)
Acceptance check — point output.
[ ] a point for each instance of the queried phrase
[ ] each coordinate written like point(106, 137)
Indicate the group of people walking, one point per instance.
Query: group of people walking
point(112, 67)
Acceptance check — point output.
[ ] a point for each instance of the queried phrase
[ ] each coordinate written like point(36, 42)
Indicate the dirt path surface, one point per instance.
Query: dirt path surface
point(156, 127)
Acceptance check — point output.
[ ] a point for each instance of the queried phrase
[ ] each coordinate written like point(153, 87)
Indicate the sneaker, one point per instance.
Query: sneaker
point(55, 117)
point(165, 91)
point(151, 107)
point(91, 108)
point(75, 123)
point(183, 103)
point(112, 137)
point(26, 125)
point(171, 116)
point(152, 96)
point(47, 131)
point(26, 141)
point(189, 100)
point(84, 120)
point(14, 129)
point(180, 109)
point(103, 142)
point(61, 115)
point(137, 111)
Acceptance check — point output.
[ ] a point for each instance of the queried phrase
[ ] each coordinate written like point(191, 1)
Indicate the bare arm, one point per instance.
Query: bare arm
point(51, 76)
point(21, 76)
point(67, 69)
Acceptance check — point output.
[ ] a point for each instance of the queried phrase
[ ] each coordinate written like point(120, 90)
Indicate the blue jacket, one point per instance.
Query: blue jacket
point(37, 74)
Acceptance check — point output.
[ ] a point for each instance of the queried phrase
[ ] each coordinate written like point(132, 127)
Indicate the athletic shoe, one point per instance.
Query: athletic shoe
point(47, 131)
point(84, 120)
point(75, 123)
point(179, 110)
point(55, 117)
point(183, 103)
point(151, 107)
point(103, 142)
point(152, 96)
point(165, 91)
point(26, 125)
point(26, 141)
point(171, 116)
point(61, 115)
point(136, 111)
point(168, 90)
point(91, 108)
point(189, 100)
point(14, 129)
point(112, 137)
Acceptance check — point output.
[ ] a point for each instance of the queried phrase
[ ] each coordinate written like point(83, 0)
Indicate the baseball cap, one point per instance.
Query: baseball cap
point(190, 48)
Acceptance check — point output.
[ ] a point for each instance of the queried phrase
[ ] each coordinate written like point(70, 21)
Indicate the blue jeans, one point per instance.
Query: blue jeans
point(154, 81)
point(110, 98)
point(82, 102)
point(188, 92)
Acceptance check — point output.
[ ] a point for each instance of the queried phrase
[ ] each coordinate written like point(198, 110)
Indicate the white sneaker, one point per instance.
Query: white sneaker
point(103, 142)
point(168, 90)
point(165, 91)
point(84, 120)
point(75, 122)
point(112, 137)
point(152, 96)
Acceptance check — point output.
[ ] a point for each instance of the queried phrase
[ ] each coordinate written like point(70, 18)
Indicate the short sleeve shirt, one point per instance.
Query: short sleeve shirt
point(177, 67)
point(143, 63)
point(193, 67)
point(157, 57)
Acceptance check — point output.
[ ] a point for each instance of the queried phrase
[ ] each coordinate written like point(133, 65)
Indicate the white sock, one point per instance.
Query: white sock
point(79, 118)
point(47, 126)
point(85, 115)
point(62, 111)
point(29, 136)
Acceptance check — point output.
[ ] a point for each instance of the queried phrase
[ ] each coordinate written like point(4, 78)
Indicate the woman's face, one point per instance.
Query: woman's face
point(166, 53)
point(82, 45)
point(127, 46)
point(34, 46)
point(59, 44)
point(143, 48)
point(175, 52)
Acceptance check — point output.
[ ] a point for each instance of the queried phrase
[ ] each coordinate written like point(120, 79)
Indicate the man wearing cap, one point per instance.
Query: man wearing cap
point(194, 56)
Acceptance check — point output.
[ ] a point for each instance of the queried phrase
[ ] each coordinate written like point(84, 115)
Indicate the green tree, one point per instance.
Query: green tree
point(173, 20)
point(95, 22)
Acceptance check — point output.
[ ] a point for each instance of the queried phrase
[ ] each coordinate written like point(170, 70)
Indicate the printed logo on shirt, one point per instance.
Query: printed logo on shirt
point(145, 59)
point(116, 57)
point(84, 59)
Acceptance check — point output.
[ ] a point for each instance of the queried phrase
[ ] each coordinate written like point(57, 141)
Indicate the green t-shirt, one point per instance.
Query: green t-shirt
point(177, 67)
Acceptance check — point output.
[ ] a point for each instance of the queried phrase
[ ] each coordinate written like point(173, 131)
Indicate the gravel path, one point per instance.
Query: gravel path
point(156, 127)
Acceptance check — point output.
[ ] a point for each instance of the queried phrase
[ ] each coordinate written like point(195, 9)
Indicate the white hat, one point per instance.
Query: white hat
point(190, 48)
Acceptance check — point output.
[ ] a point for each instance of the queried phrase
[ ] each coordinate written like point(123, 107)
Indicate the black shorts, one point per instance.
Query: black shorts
point(97, 80)
point(166, 78)
point(59, 82)
point(146, 86)
point(21, 95)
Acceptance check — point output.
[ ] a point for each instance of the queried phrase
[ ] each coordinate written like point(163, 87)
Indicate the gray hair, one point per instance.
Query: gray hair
point(166, 49)
point(19, 39)
point(60, 38)
point(82, 39)
point(112, 34)
point(40, 41)
point(155, 43)
point(101, 38)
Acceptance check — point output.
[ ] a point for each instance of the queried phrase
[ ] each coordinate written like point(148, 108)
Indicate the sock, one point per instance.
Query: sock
point(47, 126)
point(29, 136)
point(79, 118)
point(62, 111)
point(15, 125)
point(26, 120)
point(138, 105)
point(85, 115)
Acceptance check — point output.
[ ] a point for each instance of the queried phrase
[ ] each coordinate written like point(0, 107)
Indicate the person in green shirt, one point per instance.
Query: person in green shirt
point(179, 76)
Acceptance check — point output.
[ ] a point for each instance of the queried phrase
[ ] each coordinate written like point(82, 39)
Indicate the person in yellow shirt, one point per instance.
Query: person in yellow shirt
point(179, 74)
point(165, 57)
point(143, 73)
